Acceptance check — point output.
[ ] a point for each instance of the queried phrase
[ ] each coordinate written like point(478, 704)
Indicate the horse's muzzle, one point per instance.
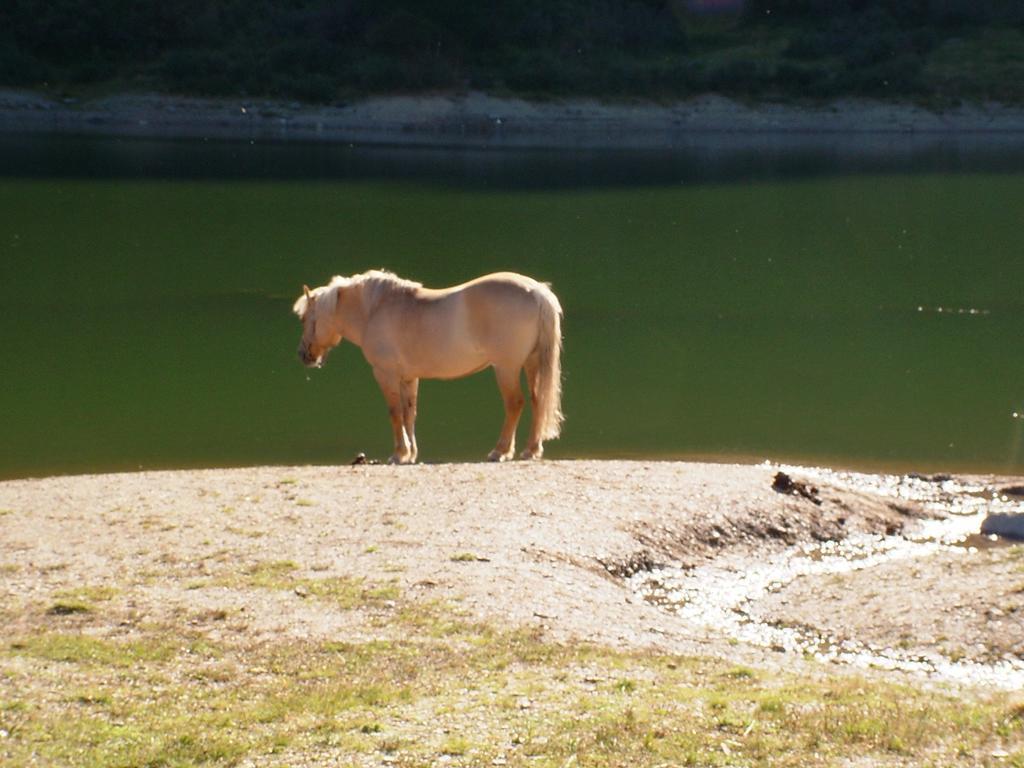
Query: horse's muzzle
point(309, 361)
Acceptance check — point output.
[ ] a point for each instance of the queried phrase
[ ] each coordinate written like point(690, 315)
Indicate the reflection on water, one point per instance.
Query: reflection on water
point(708, 158)
point(847, 303)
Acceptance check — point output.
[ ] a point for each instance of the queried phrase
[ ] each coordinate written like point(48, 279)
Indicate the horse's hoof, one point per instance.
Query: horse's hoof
point(495, 455)
point(529, 455)
point(396, 459)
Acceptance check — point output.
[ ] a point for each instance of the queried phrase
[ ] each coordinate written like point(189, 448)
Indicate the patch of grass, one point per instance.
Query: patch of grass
point(455, 746)
point(349, 593)
point(954, 653)
point(438, 619)
point(345, 592)
point(68, 608)
point(94, 594)
point(741, 673)
point(1016, 553)
point(213, 614)
point(467, 557)
point(446, 685)
point(625, 686)
point(82, 649)
point(91, 697)
point(272, 574)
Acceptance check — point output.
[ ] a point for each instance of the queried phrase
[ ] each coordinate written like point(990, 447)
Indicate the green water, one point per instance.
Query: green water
point(786, 316)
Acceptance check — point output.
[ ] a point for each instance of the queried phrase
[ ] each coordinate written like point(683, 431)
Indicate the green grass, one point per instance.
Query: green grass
point(80, 600)
point(85, 650)
point(68, 608)
point(343, 591)
point(1016, 553)
point(89, 594)
point(467, 557)
point(462, 690)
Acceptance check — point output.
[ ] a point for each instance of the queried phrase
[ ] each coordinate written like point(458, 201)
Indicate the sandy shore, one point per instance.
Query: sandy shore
point(478, 614)
point(549, 544)
point(479, 120)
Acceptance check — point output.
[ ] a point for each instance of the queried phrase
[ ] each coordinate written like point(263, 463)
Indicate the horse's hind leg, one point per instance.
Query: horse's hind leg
point(390, 385)
point(512, 395)
point(535, 446)
point(410, 394)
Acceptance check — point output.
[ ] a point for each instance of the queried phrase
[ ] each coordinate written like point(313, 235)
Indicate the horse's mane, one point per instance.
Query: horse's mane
point(376, 283)
point(325, 298)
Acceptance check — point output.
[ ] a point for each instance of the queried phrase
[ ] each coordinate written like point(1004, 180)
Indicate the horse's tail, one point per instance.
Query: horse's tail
point(547, 390)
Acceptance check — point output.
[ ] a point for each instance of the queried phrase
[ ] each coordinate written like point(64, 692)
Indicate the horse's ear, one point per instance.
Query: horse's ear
point(305, 290)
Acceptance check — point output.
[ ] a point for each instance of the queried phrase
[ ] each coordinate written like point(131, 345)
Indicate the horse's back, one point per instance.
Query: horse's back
point(495, 285)
point(484, 306)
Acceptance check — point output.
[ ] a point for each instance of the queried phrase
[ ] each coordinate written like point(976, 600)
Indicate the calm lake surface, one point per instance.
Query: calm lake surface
point(859, 306)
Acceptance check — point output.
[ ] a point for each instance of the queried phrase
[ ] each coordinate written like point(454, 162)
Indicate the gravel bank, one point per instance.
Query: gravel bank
point(479, 120)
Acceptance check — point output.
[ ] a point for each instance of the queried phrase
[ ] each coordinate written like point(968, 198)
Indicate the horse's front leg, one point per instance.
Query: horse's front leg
point(390, 386)
point(409, 391)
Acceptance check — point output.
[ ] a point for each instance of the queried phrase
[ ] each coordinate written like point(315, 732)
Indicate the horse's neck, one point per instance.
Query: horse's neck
point(351, 313)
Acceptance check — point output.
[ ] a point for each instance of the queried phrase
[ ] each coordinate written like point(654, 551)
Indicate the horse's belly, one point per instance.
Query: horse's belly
point(450, 363)
point(462, 334)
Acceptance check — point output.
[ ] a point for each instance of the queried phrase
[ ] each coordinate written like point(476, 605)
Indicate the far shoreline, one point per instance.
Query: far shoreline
point(479, 121)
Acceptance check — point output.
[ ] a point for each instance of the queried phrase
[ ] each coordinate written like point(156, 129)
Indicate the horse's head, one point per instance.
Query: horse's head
point(316, 309)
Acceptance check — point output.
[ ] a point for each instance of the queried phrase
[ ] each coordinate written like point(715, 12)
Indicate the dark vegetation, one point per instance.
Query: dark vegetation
point(935, 51)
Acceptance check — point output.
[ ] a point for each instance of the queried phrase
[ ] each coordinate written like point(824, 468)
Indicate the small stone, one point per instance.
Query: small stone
point(301, 591)
point(1010, 526)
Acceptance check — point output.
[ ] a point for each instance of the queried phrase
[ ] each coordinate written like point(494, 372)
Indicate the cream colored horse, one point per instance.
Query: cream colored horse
point(407, 332)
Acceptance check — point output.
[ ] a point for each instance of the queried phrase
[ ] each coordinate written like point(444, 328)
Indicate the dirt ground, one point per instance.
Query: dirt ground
point(547, 543)
point(960, 606)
